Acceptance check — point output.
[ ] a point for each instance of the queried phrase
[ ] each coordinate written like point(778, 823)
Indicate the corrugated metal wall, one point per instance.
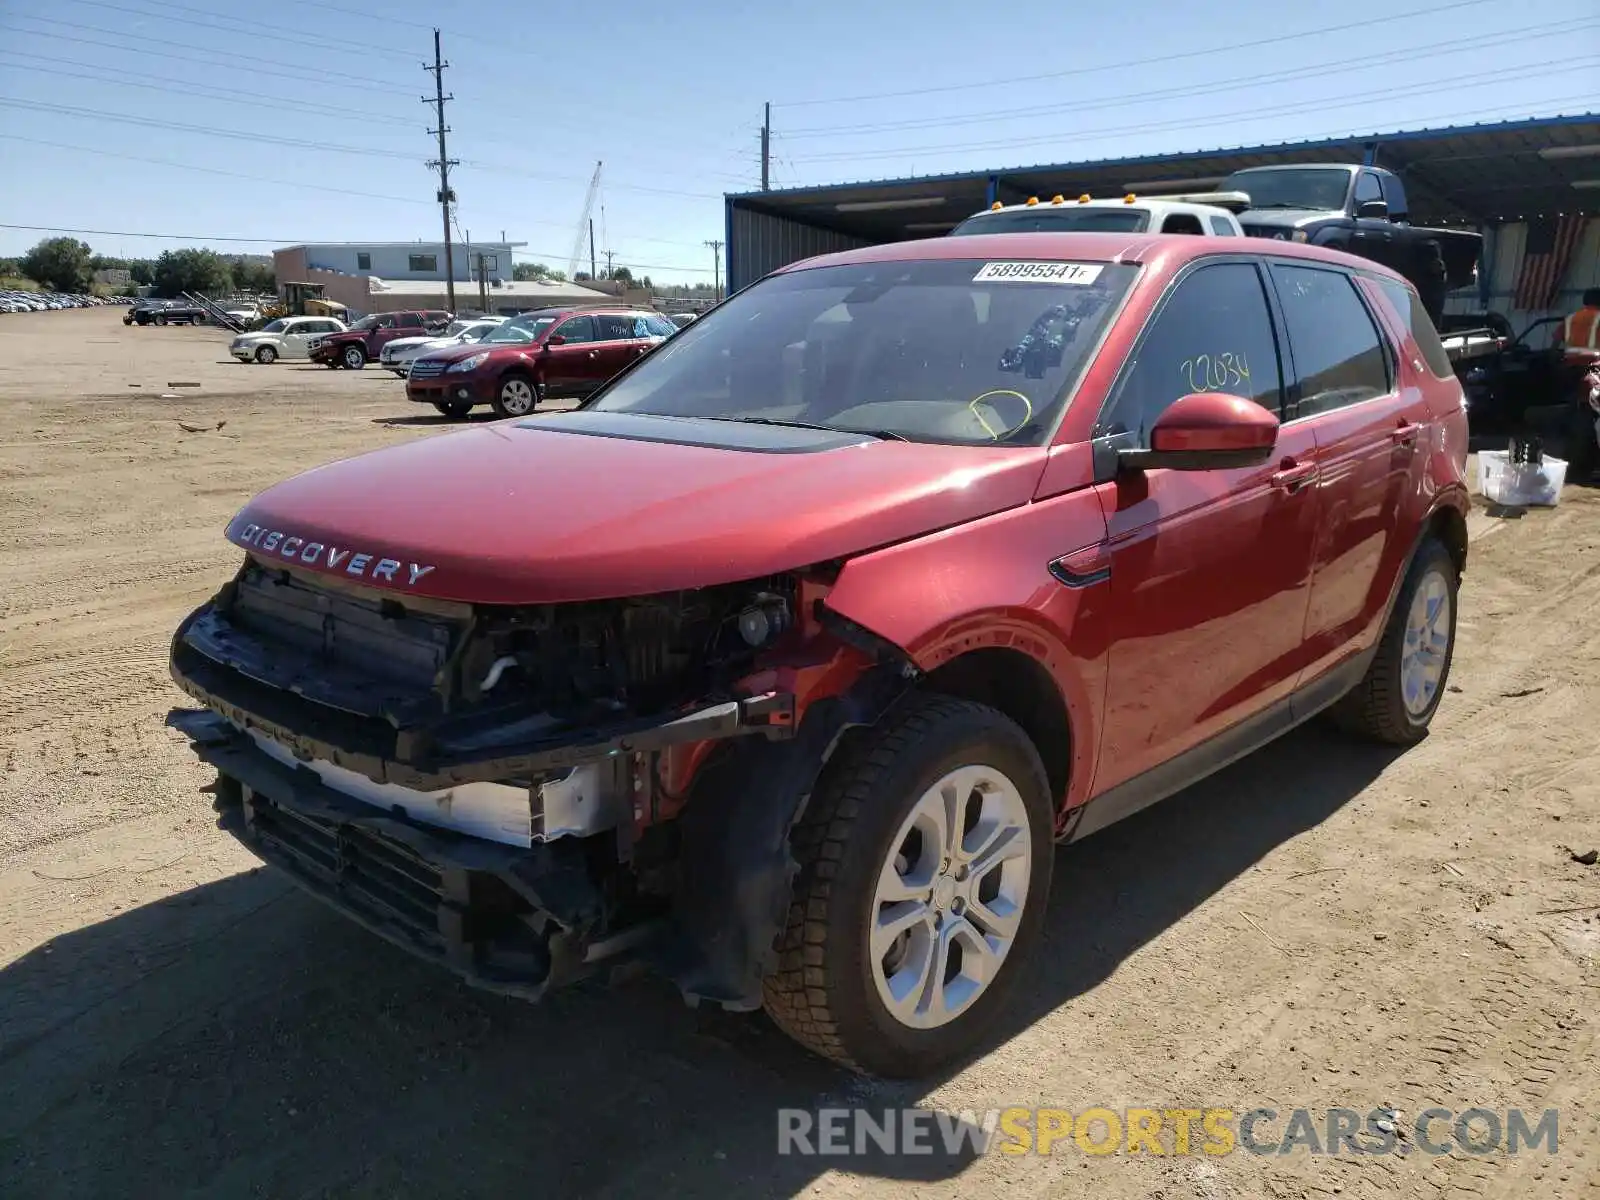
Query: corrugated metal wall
point(1504, 252)
point(759, 243)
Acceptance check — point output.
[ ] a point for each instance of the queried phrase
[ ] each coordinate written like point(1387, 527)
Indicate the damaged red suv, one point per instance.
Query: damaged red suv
point(899, 567)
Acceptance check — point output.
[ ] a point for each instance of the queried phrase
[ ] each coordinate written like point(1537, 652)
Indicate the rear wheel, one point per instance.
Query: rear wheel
point(517, 396)
point(161, 319)
point(266, 355)
point(1400, 692)
point(353, 357)
point(453, 408)
point(925, 862)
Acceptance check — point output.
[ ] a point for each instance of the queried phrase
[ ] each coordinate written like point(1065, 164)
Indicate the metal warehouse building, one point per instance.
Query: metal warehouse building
point(1506, 179)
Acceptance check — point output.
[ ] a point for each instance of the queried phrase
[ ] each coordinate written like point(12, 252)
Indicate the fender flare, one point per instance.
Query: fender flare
point(737, 870)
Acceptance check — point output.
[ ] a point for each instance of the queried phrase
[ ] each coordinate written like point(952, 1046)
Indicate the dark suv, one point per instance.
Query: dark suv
point(362, 342)
point(551, 350)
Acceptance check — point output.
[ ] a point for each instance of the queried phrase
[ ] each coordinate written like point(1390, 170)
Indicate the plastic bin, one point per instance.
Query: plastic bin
point(1518, 485)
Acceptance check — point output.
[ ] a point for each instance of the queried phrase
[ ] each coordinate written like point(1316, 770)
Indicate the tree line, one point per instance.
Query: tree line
point(64, 264)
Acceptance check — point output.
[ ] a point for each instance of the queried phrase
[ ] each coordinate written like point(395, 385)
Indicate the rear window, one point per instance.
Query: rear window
point(1057, 220)
point(1409, 306)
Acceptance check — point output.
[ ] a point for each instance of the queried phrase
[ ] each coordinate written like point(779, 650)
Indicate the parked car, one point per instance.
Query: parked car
point(779, 664)
point(286, 337)
point(398, 354)
point(363, 341)
point(554, 351)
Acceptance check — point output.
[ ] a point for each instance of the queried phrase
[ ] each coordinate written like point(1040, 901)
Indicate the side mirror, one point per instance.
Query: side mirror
point(1375, 209)
point(1207, 431)
point(555, 339)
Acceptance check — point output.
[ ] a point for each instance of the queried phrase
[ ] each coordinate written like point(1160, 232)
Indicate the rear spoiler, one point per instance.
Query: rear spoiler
point(1234, 202)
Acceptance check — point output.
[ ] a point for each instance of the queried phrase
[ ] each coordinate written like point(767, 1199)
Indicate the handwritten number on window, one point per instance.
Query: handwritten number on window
point(1215, 372)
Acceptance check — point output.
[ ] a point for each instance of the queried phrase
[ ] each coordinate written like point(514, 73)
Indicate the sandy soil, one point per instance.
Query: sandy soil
point(1323, 924)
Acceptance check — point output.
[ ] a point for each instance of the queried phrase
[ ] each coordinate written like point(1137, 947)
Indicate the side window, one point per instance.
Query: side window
point(613, 327)
point(1338, 351)
point(658, 326)
point(576, 329)
point(1368, 188)
point(384, 322)
point(409, 321)
point(1416, 317)
point(1213, 333)
point(1221, 226)
point(1181, 223)
point(423, 262)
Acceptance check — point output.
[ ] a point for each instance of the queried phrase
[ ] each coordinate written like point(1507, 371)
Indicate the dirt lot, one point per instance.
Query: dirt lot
point(1323, 924)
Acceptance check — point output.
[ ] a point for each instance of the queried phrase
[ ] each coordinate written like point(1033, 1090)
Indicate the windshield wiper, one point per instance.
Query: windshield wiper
point(887, 435)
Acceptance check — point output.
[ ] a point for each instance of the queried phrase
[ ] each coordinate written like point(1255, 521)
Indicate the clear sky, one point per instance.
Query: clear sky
point(300, 120)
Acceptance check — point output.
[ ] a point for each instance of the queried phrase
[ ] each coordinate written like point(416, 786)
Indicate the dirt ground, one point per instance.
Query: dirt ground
point(1323, 924)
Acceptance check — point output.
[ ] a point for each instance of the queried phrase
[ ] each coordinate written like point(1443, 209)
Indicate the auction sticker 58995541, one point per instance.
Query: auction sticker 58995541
point(1037, 272)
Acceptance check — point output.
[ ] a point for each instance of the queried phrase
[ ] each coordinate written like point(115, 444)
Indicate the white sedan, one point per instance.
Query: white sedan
point(399, 354)
point(287, 337)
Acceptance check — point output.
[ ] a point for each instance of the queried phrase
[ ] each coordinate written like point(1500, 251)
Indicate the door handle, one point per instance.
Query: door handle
point(1292, 476)
point(1406, 434)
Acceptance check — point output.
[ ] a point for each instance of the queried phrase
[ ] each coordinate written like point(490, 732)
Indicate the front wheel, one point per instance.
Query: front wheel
point(266, 355)
point(162, 319)
point(354, 357)
point(452, 408)
point(925, 859)
point(517, 396)
point(1396, 699)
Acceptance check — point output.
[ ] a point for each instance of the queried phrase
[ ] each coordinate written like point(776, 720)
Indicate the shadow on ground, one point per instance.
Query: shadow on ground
point(239, 1039)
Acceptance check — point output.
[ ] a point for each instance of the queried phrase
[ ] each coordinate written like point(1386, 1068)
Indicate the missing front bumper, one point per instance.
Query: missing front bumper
point(512, 920)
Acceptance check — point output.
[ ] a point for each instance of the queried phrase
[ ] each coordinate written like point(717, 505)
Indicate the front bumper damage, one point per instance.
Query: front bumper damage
point(290, 735)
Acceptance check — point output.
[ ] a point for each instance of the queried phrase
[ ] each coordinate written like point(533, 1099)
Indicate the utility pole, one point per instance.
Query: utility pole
point(766, 146)
point(594, 272)
point(716, 266)
point(610, 254)
point(443, 163)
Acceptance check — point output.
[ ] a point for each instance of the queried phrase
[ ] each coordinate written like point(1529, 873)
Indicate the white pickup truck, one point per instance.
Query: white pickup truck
point(1207, 214)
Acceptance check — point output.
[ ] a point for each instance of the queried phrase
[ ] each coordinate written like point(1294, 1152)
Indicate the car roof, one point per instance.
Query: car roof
point(1154, 204)
point(1145, 249)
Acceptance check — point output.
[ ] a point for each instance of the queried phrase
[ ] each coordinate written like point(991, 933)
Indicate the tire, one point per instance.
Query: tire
point(453, 410)
point(829, 990)
point(353, 357)
point(266, 355)
point(1378, 707)
point(161, 319)
point(517, 396)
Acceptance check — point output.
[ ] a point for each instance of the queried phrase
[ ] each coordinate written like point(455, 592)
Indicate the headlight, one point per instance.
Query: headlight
point(468, 364)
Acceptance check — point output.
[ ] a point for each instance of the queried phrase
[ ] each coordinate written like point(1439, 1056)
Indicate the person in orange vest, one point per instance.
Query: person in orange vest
point(1581, 329)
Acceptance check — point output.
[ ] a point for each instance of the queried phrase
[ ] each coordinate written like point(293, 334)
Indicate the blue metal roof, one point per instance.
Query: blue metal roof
point(1177, 157)
point(1487, 171)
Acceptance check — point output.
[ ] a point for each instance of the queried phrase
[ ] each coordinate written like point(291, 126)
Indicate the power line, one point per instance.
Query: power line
point(237, 25)
point(190, 89)
point(1337, 67)
point(163, 162)
point(1180, 56)
point(1331, 102)
point(304, 74)
point(209, 131)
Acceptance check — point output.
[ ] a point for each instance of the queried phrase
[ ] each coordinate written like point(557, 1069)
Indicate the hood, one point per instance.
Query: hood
point(411, 343)
point(594, 505)
point(1284, 218)
point(454, 352)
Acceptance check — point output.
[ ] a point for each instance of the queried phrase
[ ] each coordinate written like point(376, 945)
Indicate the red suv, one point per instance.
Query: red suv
point(558, 351)
point(851, 599)
point(364, 341)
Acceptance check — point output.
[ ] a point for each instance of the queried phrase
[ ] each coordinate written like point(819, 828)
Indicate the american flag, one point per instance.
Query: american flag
point(1551, 244)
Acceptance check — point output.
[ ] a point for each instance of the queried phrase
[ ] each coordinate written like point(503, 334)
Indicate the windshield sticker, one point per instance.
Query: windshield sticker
point(1037, 272)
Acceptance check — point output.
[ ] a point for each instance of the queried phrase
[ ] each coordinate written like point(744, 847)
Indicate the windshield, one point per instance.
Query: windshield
point(966, 352)
point(474, 333)
point(1291, 187)
point(520, 329)
point(366, 323)
point(1057, 220)
point(277, 326)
